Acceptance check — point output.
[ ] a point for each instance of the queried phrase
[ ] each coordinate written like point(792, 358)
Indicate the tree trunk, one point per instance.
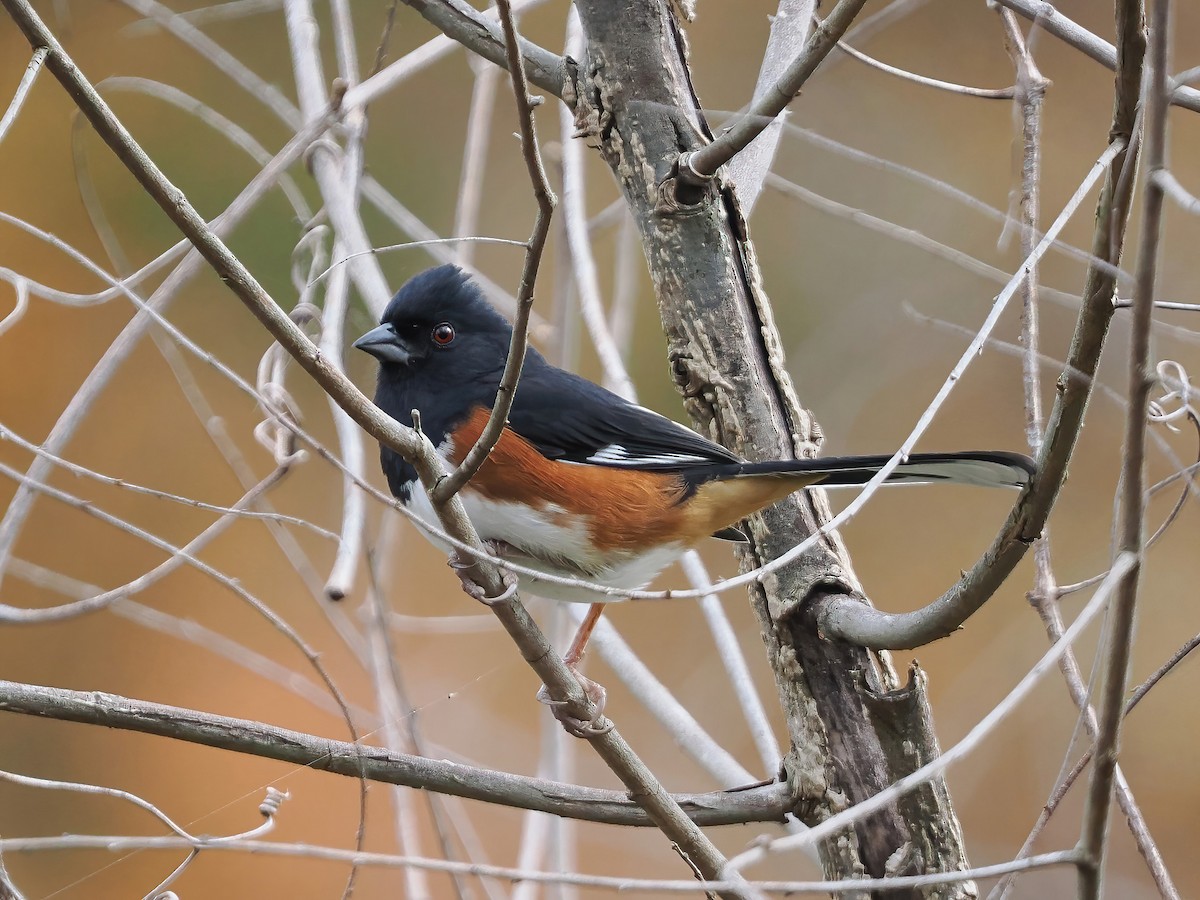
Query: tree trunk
point(853, 729)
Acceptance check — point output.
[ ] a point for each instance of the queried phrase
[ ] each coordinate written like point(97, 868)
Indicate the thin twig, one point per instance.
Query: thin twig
point(84, 472)
point(333, 167)
point(1091, 328)
point(583, 263)
point(1045, 594)
point(867, 27)
point(653, 695)
point(214, 427)
point(1118, 399)
point(395, 709)
point(273, 99)
point(8, 890)
point(1049, 18)
point(194, 633)
point(627, 266)
point(345, 564)
point(474, 163)
point(217, 12)
point(122, 843)
point(790, 29)
point(77, 787)
point(476, 31)
point(687, 733)
point(1118, 650)
point(343, 42)
point(543, 835)
point(737, 670)
point(22, 91)
point(220, 124)
point(1165, 886)
point(1186, 200)
point(945, 189)
point(385, 663)
point(544, 196)
point(1160, 304)
point(1006, 93)
point(176, 25)
point(177, 556)
point(1032, 90)
point(910, 236)
point(697, 167)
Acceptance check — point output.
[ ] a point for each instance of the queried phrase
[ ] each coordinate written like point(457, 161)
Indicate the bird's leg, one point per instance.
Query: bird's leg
point(462, 564)
point(579, 644)
point(597, 724)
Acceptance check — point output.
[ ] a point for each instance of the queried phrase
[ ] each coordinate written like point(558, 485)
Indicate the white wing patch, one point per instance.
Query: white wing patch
point(617, 455)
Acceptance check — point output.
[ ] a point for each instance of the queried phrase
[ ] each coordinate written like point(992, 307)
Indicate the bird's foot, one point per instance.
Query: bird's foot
point(462, 564)
point(580, 728)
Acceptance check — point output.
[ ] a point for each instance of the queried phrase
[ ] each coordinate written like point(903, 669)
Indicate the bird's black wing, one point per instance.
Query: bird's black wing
point(571, 419)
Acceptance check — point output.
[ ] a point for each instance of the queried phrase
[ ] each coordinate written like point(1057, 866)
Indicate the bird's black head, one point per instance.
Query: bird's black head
point(441, 349)
point(438, 320)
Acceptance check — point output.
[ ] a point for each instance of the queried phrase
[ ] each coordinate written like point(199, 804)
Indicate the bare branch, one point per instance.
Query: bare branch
point(335, 169)
point(217, 12)
point(1045, 594)
point(1185, 199)
point(973, 739)
point(473, 30)
point(697, 167)
point(23, 89)
point(1006, 93)
point(790, 27)
point(121, 843)
point(850, 620)
point(1046, 16)
point(506, 393)
point(1066, 418)
point(333, 319)
point(474, 164)
point(764, 804)
point(578, 241)
point(1131, 527)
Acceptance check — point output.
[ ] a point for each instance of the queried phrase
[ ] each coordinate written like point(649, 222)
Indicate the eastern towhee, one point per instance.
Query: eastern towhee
point(583, 483)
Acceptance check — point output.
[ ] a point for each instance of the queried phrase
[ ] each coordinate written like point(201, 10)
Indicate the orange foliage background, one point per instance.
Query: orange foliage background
point(861, 362)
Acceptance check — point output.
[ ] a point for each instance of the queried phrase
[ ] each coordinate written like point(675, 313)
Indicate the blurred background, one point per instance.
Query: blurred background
point(864, 318)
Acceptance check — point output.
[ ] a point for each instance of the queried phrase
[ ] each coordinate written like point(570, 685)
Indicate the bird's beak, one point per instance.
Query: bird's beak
point(385, 345)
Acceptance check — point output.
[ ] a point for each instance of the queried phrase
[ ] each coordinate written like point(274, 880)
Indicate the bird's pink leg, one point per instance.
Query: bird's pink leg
point(597, 724)
point(582, 728)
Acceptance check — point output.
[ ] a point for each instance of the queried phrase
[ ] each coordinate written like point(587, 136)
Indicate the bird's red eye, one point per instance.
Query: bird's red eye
point(443, 334)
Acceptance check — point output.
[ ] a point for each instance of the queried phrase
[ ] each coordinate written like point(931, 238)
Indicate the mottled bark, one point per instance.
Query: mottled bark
point(853, 729)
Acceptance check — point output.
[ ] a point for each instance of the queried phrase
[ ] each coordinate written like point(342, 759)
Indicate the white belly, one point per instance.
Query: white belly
point(554, 545)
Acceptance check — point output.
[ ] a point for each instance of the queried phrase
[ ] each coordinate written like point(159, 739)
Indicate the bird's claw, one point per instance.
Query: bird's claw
point(462, 565)
point(580, 728)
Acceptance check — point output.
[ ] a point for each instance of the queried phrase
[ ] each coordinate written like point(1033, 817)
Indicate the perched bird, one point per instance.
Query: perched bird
point(583, 483)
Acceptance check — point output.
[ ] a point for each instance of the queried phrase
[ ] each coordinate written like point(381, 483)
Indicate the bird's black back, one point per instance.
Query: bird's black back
point(564, 416)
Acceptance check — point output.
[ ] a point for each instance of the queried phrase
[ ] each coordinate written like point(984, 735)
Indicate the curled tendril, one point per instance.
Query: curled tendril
point(1176, 403)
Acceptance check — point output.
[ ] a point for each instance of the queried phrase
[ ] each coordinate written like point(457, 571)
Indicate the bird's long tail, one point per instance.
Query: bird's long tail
point(727, 493)
point(982, 468)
